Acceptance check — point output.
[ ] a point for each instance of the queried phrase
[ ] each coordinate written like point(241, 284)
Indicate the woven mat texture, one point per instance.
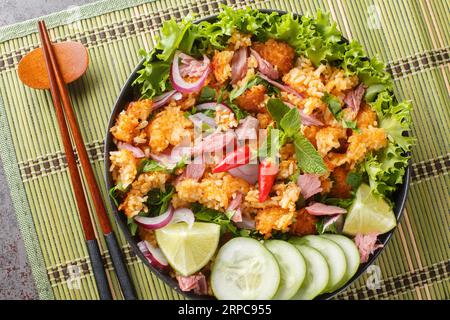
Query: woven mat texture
point(412, 36)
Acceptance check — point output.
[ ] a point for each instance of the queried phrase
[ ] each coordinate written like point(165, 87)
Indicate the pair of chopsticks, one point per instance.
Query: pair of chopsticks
point(60, 94)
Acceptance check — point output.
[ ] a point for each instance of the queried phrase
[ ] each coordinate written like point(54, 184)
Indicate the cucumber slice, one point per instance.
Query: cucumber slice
point(317, 274)
point(244, 270)
point(334, 256)
point(292, 268)
point(351, 255)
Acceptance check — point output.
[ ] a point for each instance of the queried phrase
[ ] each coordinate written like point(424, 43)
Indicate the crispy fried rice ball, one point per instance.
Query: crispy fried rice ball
point(278, 53)
point(252, 99)
point(221, 65)
point(135, 200)
point(273, 218)
point(340, 188)
point(123, 167)
point(169, 127)
point(128, 123)
point(215, 191)
point(304, 224)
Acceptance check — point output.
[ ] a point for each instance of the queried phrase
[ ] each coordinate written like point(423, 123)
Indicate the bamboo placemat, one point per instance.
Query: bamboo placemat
point(412, 36)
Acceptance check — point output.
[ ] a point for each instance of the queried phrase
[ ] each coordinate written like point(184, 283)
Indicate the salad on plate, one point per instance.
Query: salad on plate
point(260, 159)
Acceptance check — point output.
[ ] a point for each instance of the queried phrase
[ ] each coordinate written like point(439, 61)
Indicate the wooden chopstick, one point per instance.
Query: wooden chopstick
point(60, 93)
point(88, 229)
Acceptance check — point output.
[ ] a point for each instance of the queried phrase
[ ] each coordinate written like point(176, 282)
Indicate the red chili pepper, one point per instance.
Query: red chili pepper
point(237, 158)
point(267, 173)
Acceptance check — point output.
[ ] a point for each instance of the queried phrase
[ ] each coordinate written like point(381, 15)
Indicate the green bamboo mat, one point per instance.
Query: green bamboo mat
point(412, 36)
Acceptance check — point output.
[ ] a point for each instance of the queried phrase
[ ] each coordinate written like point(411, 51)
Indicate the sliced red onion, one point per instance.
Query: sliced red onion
point(320, 209)
point(247, 223)
point(161, 100)
point(235, 208)
point(196, 168)
point(248, 172)
point(137, 152)
point(264, 66)
point(181, 150)
point(183, 215)
point(181, 85)
point(154, 255)
point(247, 128)
point(158, 222)
point(280, 86)
point(307, 120)
point(198, 119)
point(191, 67)
point(177, 96)
point(309, 185)
point(212, 106)
point(239, 65)
point(165, 160)
point(354, 98)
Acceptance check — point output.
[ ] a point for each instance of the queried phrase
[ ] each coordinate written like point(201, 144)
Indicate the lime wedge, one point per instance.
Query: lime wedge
point(369, 213)
point(188, 249)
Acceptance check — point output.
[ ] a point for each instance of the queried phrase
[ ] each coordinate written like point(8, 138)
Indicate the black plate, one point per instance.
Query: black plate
point(129, 94)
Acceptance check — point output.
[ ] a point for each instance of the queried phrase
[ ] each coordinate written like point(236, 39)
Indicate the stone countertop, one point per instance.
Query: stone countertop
point(16, 281)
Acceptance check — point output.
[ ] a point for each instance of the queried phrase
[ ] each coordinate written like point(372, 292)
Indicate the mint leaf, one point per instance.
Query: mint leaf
point(207, 94)
point(309, 160)
point(291, 122)
point(333, 103)
point(277, 109)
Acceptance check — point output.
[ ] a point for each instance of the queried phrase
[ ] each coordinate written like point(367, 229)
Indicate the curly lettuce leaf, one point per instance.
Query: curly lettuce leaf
point(386, 168)
point(395, 118)
point(153, 78)
point(370, 71)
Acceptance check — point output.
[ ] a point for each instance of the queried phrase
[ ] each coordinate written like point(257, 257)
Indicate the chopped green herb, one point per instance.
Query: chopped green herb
point(354, 179)
point(349, 124)
point(158, 200)
point(333, 103)
point(207, 94)
point(132, 225)
point(116, 193)
point(210, 215)
point(210, 113)
point(150, 165)
point(238, 112)
point(240, 90)
point(343, 203)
